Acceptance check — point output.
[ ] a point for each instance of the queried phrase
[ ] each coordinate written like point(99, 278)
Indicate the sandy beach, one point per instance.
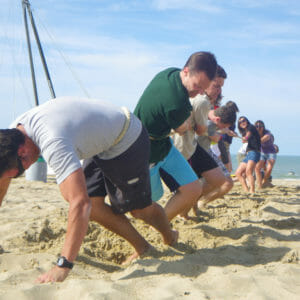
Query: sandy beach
point(239, 247)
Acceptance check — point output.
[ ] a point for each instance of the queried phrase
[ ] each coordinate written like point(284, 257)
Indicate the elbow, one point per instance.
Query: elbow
point(82, 208)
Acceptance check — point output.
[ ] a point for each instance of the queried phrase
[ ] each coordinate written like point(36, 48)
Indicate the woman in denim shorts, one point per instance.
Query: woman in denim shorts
point(246, 168)
point(267, 157)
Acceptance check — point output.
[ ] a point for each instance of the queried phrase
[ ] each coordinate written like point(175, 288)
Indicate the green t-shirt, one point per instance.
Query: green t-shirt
point(163, 105)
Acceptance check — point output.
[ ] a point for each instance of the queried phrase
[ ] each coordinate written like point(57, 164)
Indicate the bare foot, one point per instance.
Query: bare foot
point(201, 204)
point(195, 210)
point(136, 255)
point(184, 217)
point(174, 239)
point(267, 184)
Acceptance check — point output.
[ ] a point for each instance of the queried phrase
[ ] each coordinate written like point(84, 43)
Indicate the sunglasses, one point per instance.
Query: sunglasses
point(20, 167)
point(242, 121)
point(259, 126)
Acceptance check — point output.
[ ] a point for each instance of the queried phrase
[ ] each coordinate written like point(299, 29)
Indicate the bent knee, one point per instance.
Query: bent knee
point(228, 183)
point(194, 187)
point(142, 212)
point(214, 177)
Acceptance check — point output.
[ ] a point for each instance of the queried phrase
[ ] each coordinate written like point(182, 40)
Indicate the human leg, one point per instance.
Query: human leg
point(220, 178)
point(249, 174)
point(189, 187)
point(268, 171)
point(222, 188)
point(128, 189)
point(184, 199)
point(229, 164)
point(155, 216)
point(117, 223)
point(258, 174)
point(206, 167)
point(240, 175)
point(214, 178)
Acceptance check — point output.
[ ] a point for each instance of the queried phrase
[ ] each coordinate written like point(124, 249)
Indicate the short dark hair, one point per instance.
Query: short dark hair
point(227, 115)
point(221, 72)
point(10, 140)
point(232, 105)
point(202, 61)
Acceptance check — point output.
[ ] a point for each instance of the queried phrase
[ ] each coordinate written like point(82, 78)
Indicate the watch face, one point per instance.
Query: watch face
point(60, 261)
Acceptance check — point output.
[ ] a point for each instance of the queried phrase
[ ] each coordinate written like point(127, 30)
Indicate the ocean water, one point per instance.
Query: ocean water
point(286, 167)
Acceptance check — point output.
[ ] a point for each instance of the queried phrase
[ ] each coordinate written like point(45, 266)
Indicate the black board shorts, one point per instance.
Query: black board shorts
point(201, 161)
point(125, 178)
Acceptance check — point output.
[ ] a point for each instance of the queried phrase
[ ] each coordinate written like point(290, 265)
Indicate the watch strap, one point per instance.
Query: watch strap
point(62, 262)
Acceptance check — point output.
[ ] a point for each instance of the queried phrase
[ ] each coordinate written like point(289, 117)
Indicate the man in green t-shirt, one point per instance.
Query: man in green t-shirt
point(165, 106)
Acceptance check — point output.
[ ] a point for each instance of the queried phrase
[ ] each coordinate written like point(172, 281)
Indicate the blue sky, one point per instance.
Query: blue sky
point(111, 50)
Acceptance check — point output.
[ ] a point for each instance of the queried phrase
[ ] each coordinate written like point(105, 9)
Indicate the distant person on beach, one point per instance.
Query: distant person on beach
point(218, 119)
point(117, 147)
point(203, 164)
point(164, 107)
point(251, 136)
point(227, 139)
point(267, 157)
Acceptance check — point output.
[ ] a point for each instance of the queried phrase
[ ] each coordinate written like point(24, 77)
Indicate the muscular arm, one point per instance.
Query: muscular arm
point(201, 129)
point(4, 184)
point(74, 191)
point(184, 127)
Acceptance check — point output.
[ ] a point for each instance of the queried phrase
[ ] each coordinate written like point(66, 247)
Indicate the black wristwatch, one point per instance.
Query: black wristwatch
point(62, 262)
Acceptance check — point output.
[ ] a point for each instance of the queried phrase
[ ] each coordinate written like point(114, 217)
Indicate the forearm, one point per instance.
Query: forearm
point(246, 137)
point(201, 129)
point(78, 219)
point(265, 138)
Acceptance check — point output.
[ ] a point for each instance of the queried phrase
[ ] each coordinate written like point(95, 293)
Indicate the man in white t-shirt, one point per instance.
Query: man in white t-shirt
point(116, 146)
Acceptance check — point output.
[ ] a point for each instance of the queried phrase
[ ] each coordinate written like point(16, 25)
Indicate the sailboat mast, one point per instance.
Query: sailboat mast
point(36, 98)
point(26, 6)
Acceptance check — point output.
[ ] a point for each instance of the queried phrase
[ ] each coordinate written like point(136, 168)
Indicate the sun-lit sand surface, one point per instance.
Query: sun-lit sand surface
point(240, 247)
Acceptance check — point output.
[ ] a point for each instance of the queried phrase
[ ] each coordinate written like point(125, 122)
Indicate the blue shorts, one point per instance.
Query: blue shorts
point(252, 155)
point(268, 156)
point(177, 167)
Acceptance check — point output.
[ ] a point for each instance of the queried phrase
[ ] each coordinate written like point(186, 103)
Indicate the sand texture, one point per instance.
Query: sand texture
point(239, 247)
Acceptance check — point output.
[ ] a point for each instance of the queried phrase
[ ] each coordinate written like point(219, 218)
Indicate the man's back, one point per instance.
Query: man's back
point(164, 105)
point(68, 129)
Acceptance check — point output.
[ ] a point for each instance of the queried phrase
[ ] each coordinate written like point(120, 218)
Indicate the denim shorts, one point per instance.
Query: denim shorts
point(252, 155)
point(177, 168)
point(268, 156)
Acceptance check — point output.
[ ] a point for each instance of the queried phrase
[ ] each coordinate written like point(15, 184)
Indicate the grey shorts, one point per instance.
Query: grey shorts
point(125, 178)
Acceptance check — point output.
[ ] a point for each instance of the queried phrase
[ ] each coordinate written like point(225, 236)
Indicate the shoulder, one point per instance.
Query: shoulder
point(200, 100)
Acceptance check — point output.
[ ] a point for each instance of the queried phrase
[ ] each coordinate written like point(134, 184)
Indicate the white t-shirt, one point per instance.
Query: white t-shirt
point(186, 144)
point(243, 149)
point(69, 129)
